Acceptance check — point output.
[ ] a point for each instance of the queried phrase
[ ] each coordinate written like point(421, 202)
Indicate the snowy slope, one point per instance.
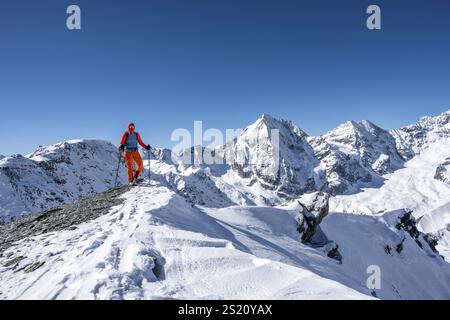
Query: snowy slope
point(417, 187)
point(414, 187)
point(54, 175)
point(156, 245)
point(198, 185)
point(113, 258)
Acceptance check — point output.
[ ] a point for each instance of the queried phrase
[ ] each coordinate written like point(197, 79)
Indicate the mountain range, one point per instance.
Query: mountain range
point(388, 205)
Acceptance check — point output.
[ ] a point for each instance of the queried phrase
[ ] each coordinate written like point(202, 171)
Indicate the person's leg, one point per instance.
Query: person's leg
point(130, 167)
point(140, 164)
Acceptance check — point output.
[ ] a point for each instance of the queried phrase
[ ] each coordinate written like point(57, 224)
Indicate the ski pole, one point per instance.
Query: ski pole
point(118, 167)
point(149, 166)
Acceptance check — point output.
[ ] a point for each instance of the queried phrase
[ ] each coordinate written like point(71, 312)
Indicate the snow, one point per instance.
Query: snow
point(199, 257)
point(55, 175)
point(284, 169)
point(227, 231)
point(412, 187)
point(356, 155)
point(157, 246)
point(415, 187)
point(413, 139)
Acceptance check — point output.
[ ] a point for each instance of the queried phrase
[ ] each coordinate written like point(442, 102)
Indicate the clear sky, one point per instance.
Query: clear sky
point(165, 63)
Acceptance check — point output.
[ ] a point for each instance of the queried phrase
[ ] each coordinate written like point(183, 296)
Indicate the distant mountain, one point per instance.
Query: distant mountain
point(356, 154)
point(413, 139)
point(289, 169)
point(244, 229)
point(54, 175)
point(260, 168)
point(352, 156)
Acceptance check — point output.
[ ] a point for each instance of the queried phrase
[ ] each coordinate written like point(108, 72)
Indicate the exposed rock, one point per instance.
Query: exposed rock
point(332, 250)
point(60, 218)
point(388, 250)
point(313, 208)
point(13, 262)
point(404, 220)
point(33, 266)
point(443, 172)
point(399, 247)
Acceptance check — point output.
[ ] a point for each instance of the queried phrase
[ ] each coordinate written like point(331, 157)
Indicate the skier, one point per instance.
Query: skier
point(129, 146)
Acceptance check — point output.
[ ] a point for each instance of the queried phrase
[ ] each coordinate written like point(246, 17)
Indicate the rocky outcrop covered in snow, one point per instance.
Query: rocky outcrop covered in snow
point(65, 217)
point(404, 220)
point(314, 207)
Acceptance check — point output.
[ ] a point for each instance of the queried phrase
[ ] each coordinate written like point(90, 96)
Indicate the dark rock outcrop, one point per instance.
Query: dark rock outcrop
point(60, 218)
point(314, 208)
point(407, 223)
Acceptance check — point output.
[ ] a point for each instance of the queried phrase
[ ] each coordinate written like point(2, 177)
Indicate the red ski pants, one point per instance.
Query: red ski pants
point(129, 158)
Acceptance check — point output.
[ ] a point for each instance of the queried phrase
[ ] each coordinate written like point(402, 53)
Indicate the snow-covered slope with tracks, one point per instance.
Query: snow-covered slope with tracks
point(156, 245)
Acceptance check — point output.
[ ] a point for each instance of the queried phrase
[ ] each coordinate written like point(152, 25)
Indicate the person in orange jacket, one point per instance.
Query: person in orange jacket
point(129, 146)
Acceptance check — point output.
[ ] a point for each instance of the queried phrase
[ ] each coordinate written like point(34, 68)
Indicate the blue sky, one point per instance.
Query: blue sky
point(164, 64)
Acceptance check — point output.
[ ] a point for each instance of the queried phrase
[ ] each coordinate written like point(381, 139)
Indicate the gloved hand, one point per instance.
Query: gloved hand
point(148, 147)
point(122, 147)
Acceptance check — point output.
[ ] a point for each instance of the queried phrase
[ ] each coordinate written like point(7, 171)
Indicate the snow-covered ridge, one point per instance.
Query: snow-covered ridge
point(355, 155)
point(156, 245)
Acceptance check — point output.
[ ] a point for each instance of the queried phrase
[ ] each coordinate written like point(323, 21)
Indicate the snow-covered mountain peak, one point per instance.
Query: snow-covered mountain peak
point(435, 122)
point(266, 123)
point(276, 155)
point(70, 148)
point(413, 139)
point(351, 131)
point(356, 154)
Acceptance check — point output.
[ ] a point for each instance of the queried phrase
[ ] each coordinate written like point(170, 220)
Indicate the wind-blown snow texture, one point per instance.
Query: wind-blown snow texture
point(230, 230)
point(156, 245)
